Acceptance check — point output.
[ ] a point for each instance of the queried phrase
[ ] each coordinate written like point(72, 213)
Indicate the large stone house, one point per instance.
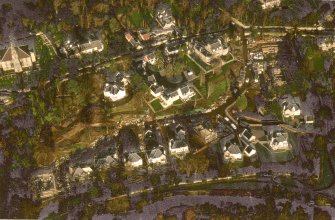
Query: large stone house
point(16, 59)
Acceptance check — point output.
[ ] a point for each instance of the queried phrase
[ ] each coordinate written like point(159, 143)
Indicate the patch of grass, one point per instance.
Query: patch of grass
point(218, 89)
point(7, 81)
point(156, 105)
point(194, 67)
point(178, 102)
point(266, 155)
point(326, 176)
point(136, 19)
point(202, 89)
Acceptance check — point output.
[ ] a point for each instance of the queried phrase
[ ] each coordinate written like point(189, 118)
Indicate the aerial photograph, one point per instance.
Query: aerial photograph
point(167, 109)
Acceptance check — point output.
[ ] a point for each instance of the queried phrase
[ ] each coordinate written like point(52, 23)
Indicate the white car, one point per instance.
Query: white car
point(247, 80)
point(226, 119)
point(233, 126)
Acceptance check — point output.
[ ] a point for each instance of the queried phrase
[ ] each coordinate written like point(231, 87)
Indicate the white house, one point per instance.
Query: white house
point(156, 90)
point(171, 50)
point(232, 152)
point(256, 56)
point(134, 160)
point(157, 156)
point(186, 92)
point(247, 135)
point(17, 59)
point(114, 92)
point(178, 147)
point(249, 151)
point(177, 142)
point(115, 87)
point(216, 48)
point(189, 75)
point(149, 58)
point(201, 52)
point(169, 98)
point(279, 141)
point(164, 17)
point(309, 119)
point(291, 107)
point(91, 47)
point(325, 42)
point(80, 173)
point(267, 4)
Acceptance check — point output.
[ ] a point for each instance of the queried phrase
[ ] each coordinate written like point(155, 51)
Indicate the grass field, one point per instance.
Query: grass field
point(326, 177)
point(156, 105)
point(266, 155)
point(7, 82)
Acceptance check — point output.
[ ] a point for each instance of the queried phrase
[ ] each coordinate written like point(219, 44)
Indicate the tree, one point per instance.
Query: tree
point(194, 164)
point(160, 59)
point(57, 4)
point(126, 63)
point(242, 102)
point(320, 214)
point(118, 205)
point(189, 215)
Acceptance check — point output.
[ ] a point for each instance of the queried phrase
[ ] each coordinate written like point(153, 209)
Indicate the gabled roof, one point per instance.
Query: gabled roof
point(134, 157)
point(233, 148)
point(156, 153)
point(8, 56)
point(91, 45)
point(186, 89)
point(280, 137)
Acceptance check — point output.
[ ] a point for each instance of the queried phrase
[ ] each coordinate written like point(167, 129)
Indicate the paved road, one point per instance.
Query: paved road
point(150, 211)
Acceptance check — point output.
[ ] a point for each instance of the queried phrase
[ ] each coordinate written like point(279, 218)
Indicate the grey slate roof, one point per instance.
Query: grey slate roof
point(155, 153)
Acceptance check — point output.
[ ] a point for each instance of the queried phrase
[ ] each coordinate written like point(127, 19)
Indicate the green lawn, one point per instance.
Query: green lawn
point(46, 56)
point(219, 89)
point(7, 82)
point(156, 105)
point(326, 177)
point(194, 67)
point(266, 155)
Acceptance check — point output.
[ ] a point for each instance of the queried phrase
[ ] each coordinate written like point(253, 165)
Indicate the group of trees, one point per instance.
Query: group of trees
point(193, 164)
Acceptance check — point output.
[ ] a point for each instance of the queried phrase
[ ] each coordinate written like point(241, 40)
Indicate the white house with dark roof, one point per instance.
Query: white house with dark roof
point(115, 87)
point(279, 141)
point(200, 51)
point(106, 162)
point(169, 98)
point(249, 151)
point(156, 90)
point(164, 17)
point(186, 93)
point(291, 106)
point(230, 150)
point(247, 135)
point(157, 156)
point(177, 141)
point(80, 173)
point(17, 59)
point(134, 160)
point(216, 48)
